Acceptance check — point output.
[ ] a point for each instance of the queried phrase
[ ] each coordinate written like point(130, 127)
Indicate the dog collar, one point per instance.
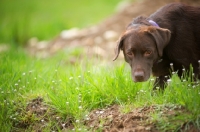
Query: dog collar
point(153, 23)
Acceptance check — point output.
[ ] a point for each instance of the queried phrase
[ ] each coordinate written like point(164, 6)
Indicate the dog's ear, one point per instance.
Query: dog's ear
point(162, 37)
point(119, 47)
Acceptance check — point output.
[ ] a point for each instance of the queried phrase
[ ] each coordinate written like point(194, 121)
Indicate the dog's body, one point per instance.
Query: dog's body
point(170, 35)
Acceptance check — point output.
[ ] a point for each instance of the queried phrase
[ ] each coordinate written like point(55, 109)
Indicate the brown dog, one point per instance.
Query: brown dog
point(170, 35)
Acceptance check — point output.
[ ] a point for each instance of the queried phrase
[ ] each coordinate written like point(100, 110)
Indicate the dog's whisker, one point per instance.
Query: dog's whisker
point(193, 74)
point(169, 80)
point(173, 73)
point(172, 67)
point(157, 88)
point(152, 79)
point(199, 64)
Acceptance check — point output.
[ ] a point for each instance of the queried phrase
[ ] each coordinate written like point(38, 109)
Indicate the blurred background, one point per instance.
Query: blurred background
point(44, 27)
point(22, 19)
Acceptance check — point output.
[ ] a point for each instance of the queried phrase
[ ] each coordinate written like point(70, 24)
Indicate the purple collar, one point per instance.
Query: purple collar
point(153, 23)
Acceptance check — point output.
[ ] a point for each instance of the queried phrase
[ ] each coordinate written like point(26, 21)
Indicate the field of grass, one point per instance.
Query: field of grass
point(74, 90)
point(71, 91)
point(45, 19)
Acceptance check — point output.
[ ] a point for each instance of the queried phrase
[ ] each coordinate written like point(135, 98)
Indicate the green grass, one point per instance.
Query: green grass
point(74, 90)
point(45, 19)
point(24, 78)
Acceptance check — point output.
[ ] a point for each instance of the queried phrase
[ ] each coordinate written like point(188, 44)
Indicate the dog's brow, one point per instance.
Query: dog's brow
point(147, 47)
point(130, 49)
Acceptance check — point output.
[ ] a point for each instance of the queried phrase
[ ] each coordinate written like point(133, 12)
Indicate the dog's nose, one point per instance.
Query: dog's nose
point(139, 76)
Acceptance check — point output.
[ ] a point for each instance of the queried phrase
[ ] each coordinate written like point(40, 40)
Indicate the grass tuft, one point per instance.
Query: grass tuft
point(72, 91)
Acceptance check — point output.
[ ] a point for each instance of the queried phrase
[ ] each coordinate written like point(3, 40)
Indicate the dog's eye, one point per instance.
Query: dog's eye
point(130, 54)
point(147, 52)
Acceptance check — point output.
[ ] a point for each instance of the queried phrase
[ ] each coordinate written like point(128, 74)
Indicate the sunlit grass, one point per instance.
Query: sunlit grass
point(74, 90)
point(69, 89)
point(21, 19)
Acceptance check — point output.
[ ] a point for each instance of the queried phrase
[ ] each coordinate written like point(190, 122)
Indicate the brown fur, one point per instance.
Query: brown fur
point(176, 40)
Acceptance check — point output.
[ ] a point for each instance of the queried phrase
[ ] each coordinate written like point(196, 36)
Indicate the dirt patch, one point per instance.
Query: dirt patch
point(38, 116)
point(112, 119)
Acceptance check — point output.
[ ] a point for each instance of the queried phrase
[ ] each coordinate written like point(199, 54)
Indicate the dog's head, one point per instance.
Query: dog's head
point(142, 46)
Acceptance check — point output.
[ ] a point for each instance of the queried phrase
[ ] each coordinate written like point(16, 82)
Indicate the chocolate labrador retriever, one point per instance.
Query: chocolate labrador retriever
point(171, 35)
